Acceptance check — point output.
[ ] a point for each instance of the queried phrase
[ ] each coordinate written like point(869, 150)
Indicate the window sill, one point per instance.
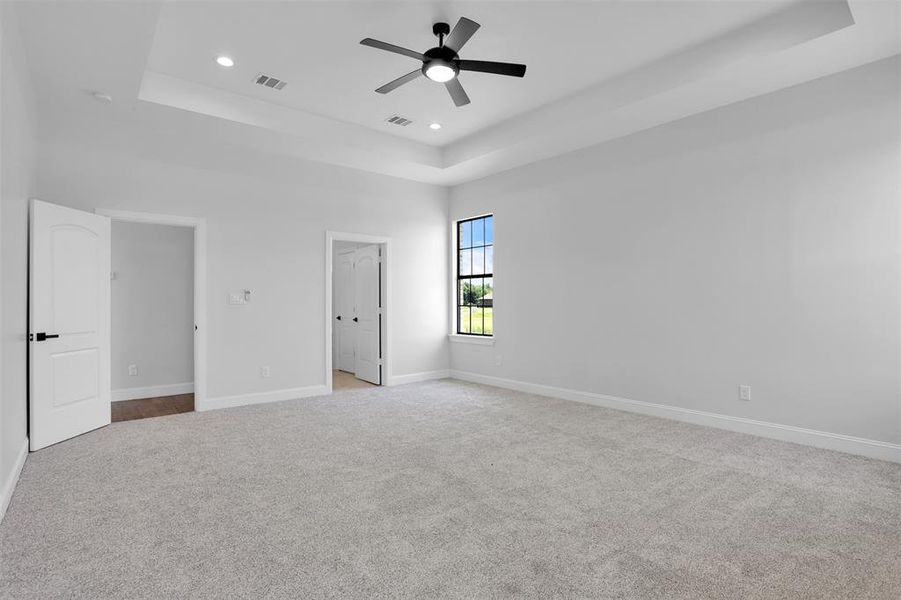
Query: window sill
point(477, 340)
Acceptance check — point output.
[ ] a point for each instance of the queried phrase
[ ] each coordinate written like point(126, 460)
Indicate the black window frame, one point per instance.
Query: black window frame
point(463, 278)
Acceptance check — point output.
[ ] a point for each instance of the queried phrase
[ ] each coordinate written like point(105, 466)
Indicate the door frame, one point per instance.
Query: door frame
point(385, 242)
point(200, 317)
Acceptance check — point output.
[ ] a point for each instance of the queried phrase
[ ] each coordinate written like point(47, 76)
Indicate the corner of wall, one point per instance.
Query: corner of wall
point(17, 185)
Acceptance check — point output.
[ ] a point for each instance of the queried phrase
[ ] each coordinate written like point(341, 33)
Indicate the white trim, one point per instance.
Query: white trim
point(787, 433)
point(9, 486)
point(200, 283)
point(152, 391)
point(387, 322)
point(260, 397)
point(452, 282)
point(478, 340)
point(150, 218)
point(422, 376)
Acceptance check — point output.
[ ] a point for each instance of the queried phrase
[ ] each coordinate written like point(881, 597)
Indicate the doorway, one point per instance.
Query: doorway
point(151, 320)
point(356, 311)
point(69, 317)
point(158, 276)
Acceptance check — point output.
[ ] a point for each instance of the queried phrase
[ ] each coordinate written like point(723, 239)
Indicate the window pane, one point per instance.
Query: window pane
point(473, 290)
point(464, 320)
point(478, 261)
point(476, 319)
point(466, 262)
point(489, 260)
point(478, 232)
point(487, 292)
point(488, 327)
point(489, 230)
point(466, 236)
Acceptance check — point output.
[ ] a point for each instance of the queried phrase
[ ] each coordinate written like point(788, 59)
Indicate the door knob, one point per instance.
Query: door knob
point(356, 320)
point(338, 317)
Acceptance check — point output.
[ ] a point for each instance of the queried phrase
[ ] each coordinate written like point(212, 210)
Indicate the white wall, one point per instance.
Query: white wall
point(755, 244)
point(266, 233)
point(17, 155)
point(152, 305)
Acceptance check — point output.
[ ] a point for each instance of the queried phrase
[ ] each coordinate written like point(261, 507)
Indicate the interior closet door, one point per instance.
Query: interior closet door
point(367, 318)
point(69, 323)
point(344, 311)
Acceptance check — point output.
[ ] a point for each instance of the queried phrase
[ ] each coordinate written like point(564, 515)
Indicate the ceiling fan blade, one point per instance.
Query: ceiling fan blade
point(498, 68)
point(463, 30)
point(458, 94)
point(392, 48)
point(392, 85)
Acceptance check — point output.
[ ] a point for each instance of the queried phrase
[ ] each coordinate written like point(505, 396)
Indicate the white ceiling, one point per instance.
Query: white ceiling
point(315, 47)
point(596, 71)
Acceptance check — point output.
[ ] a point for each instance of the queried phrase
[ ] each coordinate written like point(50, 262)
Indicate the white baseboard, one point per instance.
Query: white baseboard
point(260, 397)
point(9, 486)
point(414, 377)
point(786, 433)
point(152, 391)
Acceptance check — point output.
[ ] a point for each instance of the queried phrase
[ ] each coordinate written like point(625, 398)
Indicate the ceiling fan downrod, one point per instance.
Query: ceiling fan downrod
point(441, 30)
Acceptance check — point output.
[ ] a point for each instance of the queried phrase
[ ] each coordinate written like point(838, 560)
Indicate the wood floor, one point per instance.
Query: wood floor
point(346, 381)
point(144, 408)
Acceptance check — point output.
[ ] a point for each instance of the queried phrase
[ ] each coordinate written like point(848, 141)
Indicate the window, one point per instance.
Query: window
point(475, 276)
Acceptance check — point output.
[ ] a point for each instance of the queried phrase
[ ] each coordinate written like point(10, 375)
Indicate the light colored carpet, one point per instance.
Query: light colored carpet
point(446, 489)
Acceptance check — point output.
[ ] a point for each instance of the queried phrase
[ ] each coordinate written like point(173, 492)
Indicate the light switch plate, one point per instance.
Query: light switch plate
point(237, 298)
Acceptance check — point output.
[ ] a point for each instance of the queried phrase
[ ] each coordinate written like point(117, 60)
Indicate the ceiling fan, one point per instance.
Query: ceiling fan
point(442, 63)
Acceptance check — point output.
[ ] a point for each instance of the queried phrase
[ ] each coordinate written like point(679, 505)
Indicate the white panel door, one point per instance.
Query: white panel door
point(366, 304)
point(69, 323)
point(344, 311)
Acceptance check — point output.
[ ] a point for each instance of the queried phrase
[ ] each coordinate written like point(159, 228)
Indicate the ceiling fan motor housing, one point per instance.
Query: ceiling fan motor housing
point(441, 56)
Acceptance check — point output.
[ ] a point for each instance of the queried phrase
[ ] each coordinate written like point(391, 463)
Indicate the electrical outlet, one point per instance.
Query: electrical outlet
point(498, 361)
point(744, 392)
point(264, 371)
point(132, 370)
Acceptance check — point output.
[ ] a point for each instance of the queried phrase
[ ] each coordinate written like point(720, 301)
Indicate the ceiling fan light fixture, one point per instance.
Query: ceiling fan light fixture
point(440, 72)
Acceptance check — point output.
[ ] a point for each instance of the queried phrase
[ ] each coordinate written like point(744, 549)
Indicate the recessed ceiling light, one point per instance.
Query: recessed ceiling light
point(225, 61)
point(435, 126)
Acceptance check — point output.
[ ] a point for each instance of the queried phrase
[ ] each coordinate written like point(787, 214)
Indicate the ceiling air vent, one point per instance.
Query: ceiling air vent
point(399, 120)
point(270, 82)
